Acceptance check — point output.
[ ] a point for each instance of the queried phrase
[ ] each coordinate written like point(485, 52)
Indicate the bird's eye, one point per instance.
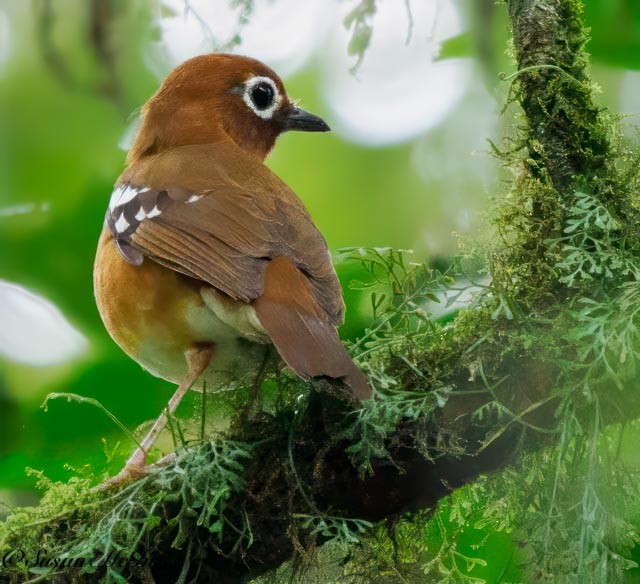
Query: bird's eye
point(262, 96)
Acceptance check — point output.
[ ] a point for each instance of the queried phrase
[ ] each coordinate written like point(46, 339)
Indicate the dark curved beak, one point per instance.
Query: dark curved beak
point(302, 121)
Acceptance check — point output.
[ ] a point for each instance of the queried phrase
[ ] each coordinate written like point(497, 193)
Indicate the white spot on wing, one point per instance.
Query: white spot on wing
point(194, 198)
point(128, 194)
point(154, 212)
point(122, 195)
point(140, 215)
point(113, 202)
point(121, 224)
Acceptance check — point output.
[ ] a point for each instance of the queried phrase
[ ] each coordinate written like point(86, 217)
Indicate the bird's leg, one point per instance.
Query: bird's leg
point(255, 393)
point(198, 359)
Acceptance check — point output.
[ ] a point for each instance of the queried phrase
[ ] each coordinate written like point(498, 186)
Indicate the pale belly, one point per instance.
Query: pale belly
point(155, 315)
point(236, 358)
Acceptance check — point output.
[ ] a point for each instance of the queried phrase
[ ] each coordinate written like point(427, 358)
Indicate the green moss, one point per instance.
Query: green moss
point(110, 536)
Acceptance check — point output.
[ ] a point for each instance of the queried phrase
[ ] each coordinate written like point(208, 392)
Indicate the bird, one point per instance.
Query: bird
point(207, 257)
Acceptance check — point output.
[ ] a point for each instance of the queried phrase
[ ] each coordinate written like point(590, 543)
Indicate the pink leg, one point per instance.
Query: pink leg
point(198, 359)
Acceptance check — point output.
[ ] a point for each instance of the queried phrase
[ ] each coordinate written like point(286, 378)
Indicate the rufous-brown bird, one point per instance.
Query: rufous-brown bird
point(206, 255)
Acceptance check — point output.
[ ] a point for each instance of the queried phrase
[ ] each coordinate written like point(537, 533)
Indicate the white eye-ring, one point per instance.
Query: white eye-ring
point(262, 96)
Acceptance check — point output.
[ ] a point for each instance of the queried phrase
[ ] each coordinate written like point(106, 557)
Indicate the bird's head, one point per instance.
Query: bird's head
point(216, 96)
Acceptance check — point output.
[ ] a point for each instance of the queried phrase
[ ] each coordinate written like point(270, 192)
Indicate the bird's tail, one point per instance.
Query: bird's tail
point(301, 331)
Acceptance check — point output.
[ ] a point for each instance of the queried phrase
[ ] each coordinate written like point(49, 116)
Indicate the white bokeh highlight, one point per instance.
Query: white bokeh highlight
point(400, 91)
point(23, 209)
point(6, 41)
point(629, 92)
point(33, 331)
point(283, 34)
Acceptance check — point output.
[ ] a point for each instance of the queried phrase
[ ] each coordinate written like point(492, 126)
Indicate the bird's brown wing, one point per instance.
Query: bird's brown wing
point(232, 223)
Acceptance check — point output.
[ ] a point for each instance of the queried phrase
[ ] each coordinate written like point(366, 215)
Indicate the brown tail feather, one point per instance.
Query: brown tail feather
point(301, 331)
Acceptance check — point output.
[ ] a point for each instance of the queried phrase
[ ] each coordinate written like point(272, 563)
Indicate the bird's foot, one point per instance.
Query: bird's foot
point(166, 460)
point(135, 469)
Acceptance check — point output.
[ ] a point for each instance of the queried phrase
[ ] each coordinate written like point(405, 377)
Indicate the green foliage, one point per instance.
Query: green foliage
point(380, 416)
point(580, 499)
point(399, 291)
point(571, 268)
point(569, 299)
point(564, 291)
point(591, 245)
point(401, 294)
point(447, 545)
point(180, 501)
point(341, 530)
point(201, 482)
point(360, 22)
point(609, 339)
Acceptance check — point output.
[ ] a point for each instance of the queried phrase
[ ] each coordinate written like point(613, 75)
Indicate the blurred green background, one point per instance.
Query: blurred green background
point(407, 166)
